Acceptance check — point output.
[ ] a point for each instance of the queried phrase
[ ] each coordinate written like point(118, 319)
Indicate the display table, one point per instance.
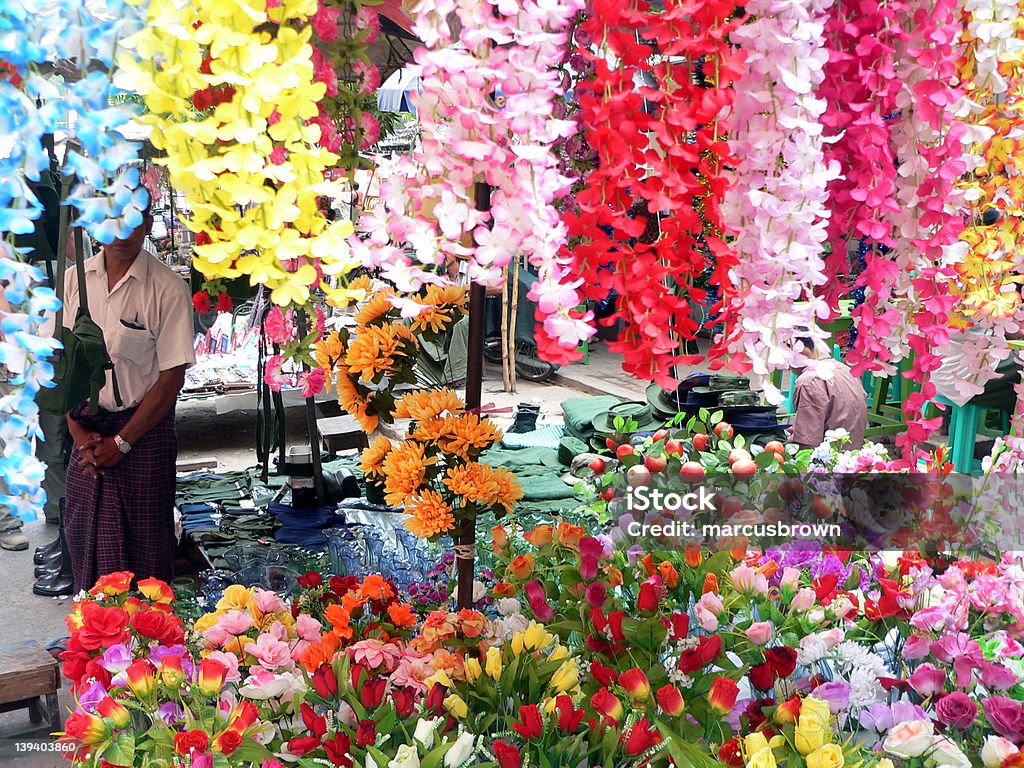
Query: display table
point(30, 679)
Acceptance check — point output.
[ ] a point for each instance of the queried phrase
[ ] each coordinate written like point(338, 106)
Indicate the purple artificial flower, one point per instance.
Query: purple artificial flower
point(836, 693)
point(116, 659)
point(170, 713)
point(882, 717)
point(94, 695)
point(634, 553)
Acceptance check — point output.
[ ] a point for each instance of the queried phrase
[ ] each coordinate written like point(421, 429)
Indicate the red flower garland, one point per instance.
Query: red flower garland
point(661, 155)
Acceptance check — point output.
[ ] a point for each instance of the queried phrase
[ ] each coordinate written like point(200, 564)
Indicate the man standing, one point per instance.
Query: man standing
point(823, 403)
point(121, 476)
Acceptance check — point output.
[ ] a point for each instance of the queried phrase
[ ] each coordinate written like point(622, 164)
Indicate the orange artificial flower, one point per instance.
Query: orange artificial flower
point(522, 566)
point(133, 605)
point(569, 535)
point(352, 602)
point(473, 483)
point(510, 490)
point(112, 584)
point(402, 615)
point(356, 286)
point(471, 622)
point(738, 548)
point(613, 575)
point(669, 574)
point(648, 563)
point(451, 663)
point(540, 536)
point(339, 618)
point(429, 515)
point(432, 430)
point(426, 404)
point(156, 590)
point(769, 568)
point(437, 628)
point(710, 584)
point(693, 555)
point(375, 587)
point(504, 589)
point(375, 351)
point(322, 652)
point(499, 538)
point(453, 296)
point(372, 460)
point(375, 308)
point(470, 436)
point(432, 319)
point(405, 470)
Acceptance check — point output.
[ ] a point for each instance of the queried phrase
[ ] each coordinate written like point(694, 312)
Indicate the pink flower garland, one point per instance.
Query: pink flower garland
point(861, 89)
point(428, 198)
point(929, 144)
point(779, 208)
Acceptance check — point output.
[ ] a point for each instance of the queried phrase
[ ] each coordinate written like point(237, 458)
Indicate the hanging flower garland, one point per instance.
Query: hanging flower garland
point(427, 199)
point(929, 142)
point(861, 89)
point(250, 162)
point(24, 354)
point(105, 191)
point(778, 202)
point(661, 148)
point(342, 32)
point(991, 68)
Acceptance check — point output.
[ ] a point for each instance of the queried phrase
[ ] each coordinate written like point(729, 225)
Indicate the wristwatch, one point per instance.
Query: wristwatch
point(122, 445)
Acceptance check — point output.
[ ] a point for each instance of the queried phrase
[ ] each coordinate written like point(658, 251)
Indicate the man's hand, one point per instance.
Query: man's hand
point(106, 454)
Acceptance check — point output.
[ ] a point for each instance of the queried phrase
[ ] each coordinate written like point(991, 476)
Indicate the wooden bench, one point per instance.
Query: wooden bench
point(341, 433)
point(29, 679)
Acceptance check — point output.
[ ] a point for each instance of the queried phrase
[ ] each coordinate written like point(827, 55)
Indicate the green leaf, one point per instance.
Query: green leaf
point(251, 751)
point(650, 634)
point(740, 441)
point(686, 753)
point(121, 751)
point(717, 416)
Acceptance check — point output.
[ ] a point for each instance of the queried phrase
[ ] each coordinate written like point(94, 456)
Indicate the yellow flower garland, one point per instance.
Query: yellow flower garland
point(250, 166)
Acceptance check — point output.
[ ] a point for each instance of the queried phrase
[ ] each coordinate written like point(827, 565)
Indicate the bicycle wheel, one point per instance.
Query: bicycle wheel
point(531, 367)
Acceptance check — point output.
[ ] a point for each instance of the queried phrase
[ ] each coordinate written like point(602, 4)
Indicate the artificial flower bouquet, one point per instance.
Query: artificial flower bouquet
point(436, 473)
point(368, 363)
point(142, 696)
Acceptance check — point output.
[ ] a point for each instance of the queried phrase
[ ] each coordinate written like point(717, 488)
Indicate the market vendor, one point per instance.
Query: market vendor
point(121, 476)
point(821, 403)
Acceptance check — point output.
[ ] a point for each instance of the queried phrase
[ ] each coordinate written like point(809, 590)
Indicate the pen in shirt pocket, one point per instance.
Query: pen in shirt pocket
point(135, 325)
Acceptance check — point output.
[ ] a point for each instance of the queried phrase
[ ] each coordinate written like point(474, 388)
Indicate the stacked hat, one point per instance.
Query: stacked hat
point(637, 414)
point(728, 392)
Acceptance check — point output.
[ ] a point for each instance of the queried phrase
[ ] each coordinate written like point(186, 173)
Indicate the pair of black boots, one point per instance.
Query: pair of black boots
point(525, 418)
point(53, 566)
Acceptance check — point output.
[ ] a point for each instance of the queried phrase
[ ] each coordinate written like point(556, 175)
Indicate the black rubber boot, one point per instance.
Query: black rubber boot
point(525, 418)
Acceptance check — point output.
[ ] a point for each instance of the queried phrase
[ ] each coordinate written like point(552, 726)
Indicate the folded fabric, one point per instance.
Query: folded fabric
point(304, 537)
point(579, 413)
point(545, 488)
point(315, 518)
point(546, 436)
point(570, 447)
point(524, 461)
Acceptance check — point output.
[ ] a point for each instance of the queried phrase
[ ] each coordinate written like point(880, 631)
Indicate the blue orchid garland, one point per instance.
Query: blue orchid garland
point(105, 191)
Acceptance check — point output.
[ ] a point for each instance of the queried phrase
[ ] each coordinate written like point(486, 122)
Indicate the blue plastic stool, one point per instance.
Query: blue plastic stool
point(965, 422)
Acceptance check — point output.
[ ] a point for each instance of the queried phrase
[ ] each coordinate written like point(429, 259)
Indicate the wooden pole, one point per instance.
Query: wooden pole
point(466, 545)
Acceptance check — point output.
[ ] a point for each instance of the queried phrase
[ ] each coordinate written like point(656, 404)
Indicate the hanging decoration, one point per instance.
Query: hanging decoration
point(928, 140)
point(861, 90)
point(778, 202)
point(655, 111)
point(248, 156)
point(491, 80)
point(988, 306)
point(104, 188)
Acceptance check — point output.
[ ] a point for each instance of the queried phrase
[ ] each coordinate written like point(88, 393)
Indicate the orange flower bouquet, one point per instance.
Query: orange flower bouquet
point(366, 364)
point(435, 473)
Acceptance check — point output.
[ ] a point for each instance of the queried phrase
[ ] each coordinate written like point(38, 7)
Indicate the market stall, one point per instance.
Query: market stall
point(724, 569)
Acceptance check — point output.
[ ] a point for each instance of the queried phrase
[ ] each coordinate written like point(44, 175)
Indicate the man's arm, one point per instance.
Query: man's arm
point(151, 411)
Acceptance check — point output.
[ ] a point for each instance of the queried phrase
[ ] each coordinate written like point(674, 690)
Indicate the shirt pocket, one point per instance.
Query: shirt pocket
point(135, 346)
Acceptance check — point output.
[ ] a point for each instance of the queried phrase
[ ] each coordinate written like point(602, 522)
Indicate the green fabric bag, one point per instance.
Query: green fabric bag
point(579, 412)
point(80, 368)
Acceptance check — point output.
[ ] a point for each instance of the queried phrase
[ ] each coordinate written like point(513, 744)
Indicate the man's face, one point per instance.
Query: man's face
point(129, 247)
